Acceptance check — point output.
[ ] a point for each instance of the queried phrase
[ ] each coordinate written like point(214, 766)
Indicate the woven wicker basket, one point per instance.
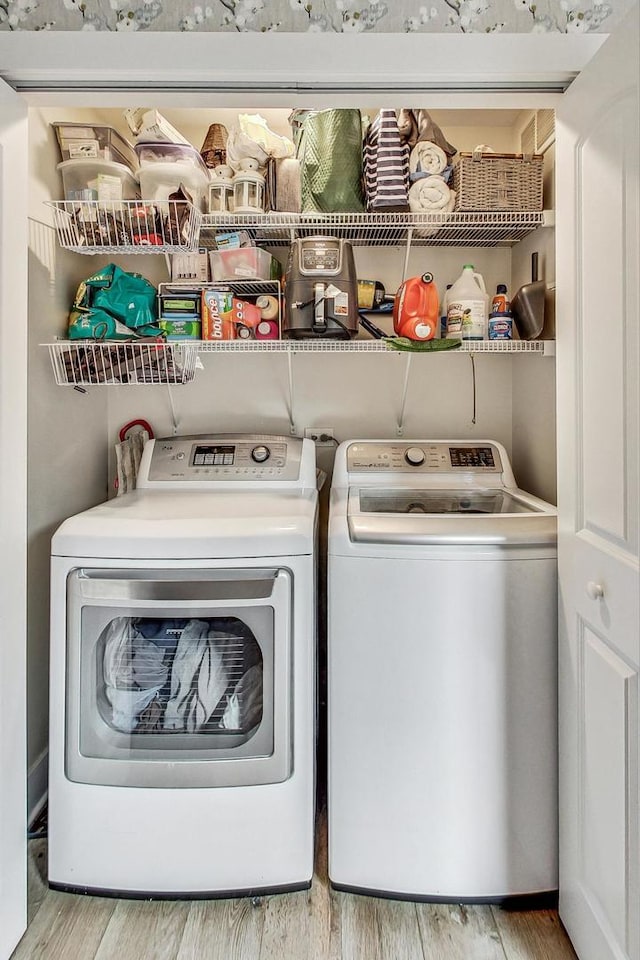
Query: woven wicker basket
point(214, 148)
point(498, 181)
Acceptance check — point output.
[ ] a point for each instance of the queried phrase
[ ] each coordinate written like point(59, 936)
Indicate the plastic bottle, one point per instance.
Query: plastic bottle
point(500, 303)
point(443, 313)
point(371, 293)
point(468, 306)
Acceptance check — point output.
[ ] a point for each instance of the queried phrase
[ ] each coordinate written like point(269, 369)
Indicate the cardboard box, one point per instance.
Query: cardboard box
point(217, 319)
point(225, 317)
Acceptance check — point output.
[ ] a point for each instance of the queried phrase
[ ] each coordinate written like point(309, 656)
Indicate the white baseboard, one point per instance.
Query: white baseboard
point(37, 786)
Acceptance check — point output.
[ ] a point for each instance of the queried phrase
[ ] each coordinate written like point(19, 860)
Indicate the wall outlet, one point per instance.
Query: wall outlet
point(322, 436)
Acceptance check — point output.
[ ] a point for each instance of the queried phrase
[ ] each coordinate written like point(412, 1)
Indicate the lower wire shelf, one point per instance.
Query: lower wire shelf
point(81, 363)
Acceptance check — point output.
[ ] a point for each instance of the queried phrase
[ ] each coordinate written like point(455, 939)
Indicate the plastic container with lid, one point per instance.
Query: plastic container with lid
point(102, 180)
point(78, 141)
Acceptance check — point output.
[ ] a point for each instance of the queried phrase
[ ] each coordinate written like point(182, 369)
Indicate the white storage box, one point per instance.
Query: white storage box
point(102, 180)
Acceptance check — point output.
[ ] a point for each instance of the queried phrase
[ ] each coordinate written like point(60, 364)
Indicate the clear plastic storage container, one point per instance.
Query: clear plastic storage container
point(244, 263)
point(102, 180)
point(77, 141)
point(165, 167)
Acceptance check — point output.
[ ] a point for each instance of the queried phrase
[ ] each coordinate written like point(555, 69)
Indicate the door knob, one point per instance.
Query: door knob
point(595, 590)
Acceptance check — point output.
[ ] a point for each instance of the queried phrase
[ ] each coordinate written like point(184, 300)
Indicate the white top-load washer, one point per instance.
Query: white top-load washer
point(442, 626)
point(183, 675)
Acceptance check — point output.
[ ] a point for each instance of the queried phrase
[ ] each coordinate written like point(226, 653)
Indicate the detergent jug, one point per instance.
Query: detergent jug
point(415, 310)
point(468, 306)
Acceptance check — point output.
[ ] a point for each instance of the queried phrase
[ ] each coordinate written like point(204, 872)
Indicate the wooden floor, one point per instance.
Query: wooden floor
point(319, 924)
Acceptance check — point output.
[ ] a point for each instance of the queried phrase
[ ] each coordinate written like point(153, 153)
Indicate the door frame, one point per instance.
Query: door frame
point(13, 515)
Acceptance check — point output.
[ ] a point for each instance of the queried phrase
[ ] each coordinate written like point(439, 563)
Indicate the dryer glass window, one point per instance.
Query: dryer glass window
point(171, 676)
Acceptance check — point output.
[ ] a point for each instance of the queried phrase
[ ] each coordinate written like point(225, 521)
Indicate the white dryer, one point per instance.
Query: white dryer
point(442, 627)
point(182, 719)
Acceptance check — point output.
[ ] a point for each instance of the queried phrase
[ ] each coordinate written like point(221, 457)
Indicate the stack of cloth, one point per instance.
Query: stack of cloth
point(428, 168)
point(385, 165)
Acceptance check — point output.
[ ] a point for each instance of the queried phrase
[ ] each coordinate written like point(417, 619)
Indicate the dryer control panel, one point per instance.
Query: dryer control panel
point(421, 457)
point(225, 457)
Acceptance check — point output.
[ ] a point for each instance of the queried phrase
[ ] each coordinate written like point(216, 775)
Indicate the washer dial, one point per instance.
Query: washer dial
point(260, 454)
point(414, 456)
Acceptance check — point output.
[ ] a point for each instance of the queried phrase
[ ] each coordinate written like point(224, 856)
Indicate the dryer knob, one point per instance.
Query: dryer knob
point(260, 454)
point(414, 456)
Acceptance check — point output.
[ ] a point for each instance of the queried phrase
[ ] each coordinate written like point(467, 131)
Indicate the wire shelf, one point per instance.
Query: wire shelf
point(540, 347)
point(239, 288)
point(86, 363)
point(382, 229)
point(126, 226)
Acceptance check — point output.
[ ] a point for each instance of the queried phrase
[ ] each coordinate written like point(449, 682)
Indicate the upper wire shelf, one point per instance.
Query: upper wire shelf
point(482, 229)
point(126, 226)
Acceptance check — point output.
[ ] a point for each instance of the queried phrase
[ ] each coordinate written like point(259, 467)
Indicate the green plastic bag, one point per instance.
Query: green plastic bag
point(329, 147)
point(114, 305)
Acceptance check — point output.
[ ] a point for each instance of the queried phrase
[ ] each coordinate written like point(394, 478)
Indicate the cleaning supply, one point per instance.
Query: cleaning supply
point(415, 311)
point(500, 325)
point(500, 303)
point(443, 312)
point(468, 306)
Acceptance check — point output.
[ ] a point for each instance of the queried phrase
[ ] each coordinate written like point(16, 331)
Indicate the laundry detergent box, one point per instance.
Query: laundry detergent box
point(225, 317)
point(217, 315)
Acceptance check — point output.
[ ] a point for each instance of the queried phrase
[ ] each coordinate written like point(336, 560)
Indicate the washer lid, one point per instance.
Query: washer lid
point(440, 516)
point(151, 524)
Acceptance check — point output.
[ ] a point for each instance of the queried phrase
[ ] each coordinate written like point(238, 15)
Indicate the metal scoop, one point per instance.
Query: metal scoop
point(527, 305)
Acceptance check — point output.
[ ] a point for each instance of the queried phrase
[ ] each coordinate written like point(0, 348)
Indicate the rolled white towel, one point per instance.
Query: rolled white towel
point(427, 159)
point(431, 195)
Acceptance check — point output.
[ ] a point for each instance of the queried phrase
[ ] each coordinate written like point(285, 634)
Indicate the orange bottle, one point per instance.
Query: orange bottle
point(415, 310)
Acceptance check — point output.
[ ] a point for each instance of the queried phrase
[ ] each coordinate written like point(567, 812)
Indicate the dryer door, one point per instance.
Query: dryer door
point(178, 678)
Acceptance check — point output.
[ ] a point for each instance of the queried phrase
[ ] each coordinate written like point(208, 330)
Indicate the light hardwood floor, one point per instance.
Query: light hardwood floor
point(319, 924)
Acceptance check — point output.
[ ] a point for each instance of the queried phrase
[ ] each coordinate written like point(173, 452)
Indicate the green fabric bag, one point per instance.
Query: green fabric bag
point(329, 147)
point(114, 305)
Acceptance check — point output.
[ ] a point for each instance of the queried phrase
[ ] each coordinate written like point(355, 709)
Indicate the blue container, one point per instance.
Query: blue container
point(500, 326)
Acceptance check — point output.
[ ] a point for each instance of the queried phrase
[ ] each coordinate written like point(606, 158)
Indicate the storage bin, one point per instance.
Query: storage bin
point(159, 180)
point(102, 180)
point(248, 263)
point(498, 181)
point(77, 141)
point(150, 153)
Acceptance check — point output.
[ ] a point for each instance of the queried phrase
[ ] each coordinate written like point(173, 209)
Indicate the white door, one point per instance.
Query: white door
point(599, 629)
point(13, 510)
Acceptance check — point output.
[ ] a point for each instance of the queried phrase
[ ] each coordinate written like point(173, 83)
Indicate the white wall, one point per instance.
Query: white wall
point(66, 432)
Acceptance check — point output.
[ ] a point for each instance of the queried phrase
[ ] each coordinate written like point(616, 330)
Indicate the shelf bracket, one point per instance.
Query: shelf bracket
point(407, 253)
point(403, 401)
point(292, 426)
point(473, 386)
point(174, 416)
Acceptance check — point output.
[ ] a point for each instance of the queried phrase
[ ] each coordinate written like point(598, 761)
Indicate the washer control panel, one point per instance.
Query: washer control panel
point(373, 457)
point(225, 457)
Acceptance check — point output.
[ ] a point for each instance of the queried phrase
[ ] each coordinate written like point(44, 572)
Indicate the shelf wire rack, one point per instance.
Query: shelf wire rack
point(126, 226)
point(481, 229)
point(540, 347)
point(81, 363)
